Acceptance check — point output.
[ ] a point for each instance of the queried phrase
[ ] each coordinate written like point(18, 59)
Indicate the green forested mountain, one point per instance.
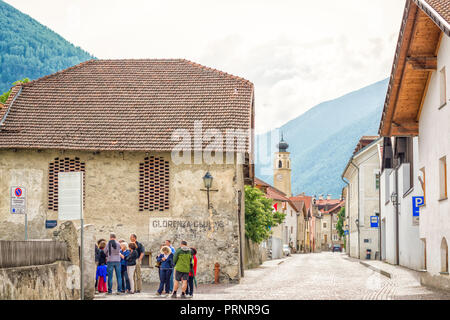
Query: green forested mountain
point(30, 50)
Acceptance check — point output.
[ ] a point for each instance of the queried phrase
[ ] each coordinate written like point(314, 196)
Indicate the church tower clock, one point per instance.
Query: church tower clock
point(282, 168)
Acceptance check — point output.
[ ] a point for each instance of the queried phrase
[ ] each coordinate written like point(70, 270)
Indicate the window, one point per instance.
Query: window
point(62, 165)
point(324, 224)
point(146, 260)
point(334, 225)
point(280, 164)
point(443, 87)
point(422, 180)
point(377, 181)
point(292, 230)
point(154, 184)
point(444, 256)
point(335, 237)
point(443, 178)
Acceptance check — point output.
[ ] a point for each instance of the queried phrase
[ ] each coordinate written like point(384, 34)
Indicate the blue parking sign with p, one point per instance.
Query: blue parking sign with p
point(416, 203)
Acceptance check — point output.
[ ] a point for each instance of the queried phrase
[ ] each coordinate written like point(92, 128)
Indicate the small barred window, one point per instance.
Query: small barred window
point(154, 184)
point(62, 165)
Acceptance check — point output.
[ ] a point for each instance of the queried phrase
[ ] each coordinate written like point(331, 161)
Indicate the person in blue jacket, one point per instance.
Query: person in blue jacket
point(166, 269)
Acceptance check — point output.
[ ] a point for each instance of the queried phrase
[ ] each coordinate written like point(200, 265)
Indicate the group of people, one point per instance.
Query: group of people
point(125, 260)
point(181, 264)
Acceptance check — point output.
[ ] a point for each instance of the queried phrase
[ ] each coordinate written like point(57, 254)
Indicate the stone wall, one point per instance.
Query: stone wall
point(112, 204)
point(255, 255)
point(441, 282)
point(46, 282)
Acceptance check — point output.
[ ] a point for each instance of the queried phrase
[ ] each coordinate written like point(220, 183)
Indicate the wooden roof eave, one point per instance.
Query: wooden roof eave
point(411, 73)
point(405, 35)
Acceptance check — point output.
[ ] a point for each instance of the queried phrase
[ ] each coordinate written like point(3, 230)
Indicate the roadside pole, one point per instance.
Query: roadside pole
point(19, 205)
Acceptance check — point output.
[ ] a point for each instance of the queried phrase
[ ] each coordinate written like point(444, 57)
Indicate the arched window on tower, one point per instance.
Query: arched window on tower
point(444, 255)
point(288, 164)
point(280, 164)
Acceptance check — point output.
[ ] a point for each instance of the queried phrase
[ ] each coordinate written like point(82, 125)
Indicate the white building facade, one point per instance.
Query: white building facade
point(434, 156)
point(417, 105)
point(362, 202)
point(400, 192)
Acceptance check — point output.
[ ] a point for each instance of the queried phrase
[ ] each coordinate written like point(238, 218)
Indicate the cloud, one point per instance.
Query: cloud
point(298, 53)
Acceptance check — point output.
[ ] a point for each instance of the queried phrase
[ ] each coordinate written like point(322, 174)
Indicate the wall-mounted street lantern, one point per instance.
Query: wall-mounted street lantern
point(357, 222)
point(207, 181)
point(394, 198)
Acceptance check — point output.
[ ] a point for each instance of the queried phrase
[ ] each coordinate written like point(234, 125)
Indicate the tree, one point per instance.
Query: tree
point(5, 95)
point(259, 218)
point(340, 223)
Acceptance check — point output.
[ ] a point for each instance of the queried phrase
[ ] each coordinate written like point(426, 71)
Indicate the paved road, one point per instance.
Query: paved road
point(313, 276)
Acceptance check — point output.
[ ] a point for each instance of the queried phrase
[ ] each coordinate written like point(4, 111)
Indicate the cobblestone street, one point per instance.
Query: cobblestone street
point(330, 276)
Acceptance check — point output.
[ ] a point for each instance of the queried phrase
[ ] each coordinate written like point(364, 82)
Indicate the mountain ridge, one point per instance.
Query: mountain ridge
point(31, 50)
point(323, 138)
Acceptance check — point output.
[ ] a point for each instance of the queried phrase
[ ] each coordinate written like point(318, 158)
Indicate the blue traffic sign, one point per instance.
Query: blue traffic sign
point(374, 221)
point(416, 203)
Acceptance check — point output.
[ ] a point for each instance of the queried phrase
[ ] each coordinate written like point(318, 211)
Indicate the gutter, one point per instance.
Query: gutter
point(9, 107)
point(397, 249)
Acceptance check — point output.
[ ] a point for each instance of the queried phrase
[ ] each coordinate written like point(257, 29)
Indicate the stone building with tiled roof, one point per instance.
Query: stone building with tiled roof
point(144, 133)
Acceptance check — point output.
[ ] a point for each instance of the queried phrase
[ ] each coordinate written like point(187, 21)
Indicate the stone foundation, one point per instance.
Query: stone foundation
point(45, 282)
point(441, 282)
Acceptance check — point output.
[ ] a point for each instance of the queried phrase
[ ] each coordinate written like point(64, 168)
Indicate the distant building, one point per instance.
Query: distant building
point(417, 105)
point(362, 201)
point(329, 210)
point(285, 233)
point(309, 230)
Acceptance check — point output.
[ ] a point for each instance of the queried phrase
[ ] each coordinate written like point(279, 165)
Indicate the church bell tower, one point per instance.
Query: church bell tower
point(282, 168)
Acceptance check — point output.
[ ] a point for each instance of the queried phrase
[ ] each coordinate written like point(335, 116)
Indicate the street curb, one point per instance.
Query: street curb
point(384, 273)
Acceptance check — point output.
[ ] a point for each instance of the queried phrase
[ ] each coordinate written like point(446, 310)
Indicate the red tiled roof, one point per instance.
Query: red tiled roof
point(307, 200)
point(363, 142)
point(297, 203)
point(130, 105)
point(442, 8)
point(261, 183)
point(335, 207)
point(276, 194)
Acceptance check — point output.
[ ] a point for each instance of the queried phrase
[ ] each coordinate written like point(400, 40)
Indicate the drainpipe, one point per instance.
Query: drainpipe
point(359, 205)
point(397, 250)
point(379, 214)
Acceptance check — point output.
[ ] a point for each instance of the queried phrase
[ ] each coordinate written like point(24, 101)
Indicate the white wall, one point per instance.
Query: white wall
point(363, 201)
point(388, 216)
point(434, 142)
point(410, 245)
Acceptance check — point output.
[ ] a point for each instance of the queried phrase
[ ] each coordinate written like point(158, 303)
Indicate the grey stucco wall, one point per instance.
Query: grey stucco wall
point(112, 194)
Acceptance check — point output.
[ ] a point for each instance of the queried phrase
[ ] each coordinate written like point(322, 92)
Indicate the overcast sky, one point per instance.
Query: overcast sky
point(298, 53)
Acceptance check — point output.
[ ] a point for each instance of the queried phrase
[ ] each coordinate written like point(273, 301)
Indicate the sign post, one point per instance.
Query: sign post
point(19, 204)
point(70, 207)
point(416, 203)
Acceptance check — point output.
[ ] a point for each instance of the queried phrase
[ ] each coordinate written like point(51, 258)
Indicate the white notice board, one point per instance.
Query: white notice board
point(70, 195)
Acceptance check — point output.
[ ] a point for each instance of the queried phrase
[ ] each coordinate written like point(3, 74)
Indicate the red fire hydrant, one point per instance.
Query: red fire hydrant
point(216, 272)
